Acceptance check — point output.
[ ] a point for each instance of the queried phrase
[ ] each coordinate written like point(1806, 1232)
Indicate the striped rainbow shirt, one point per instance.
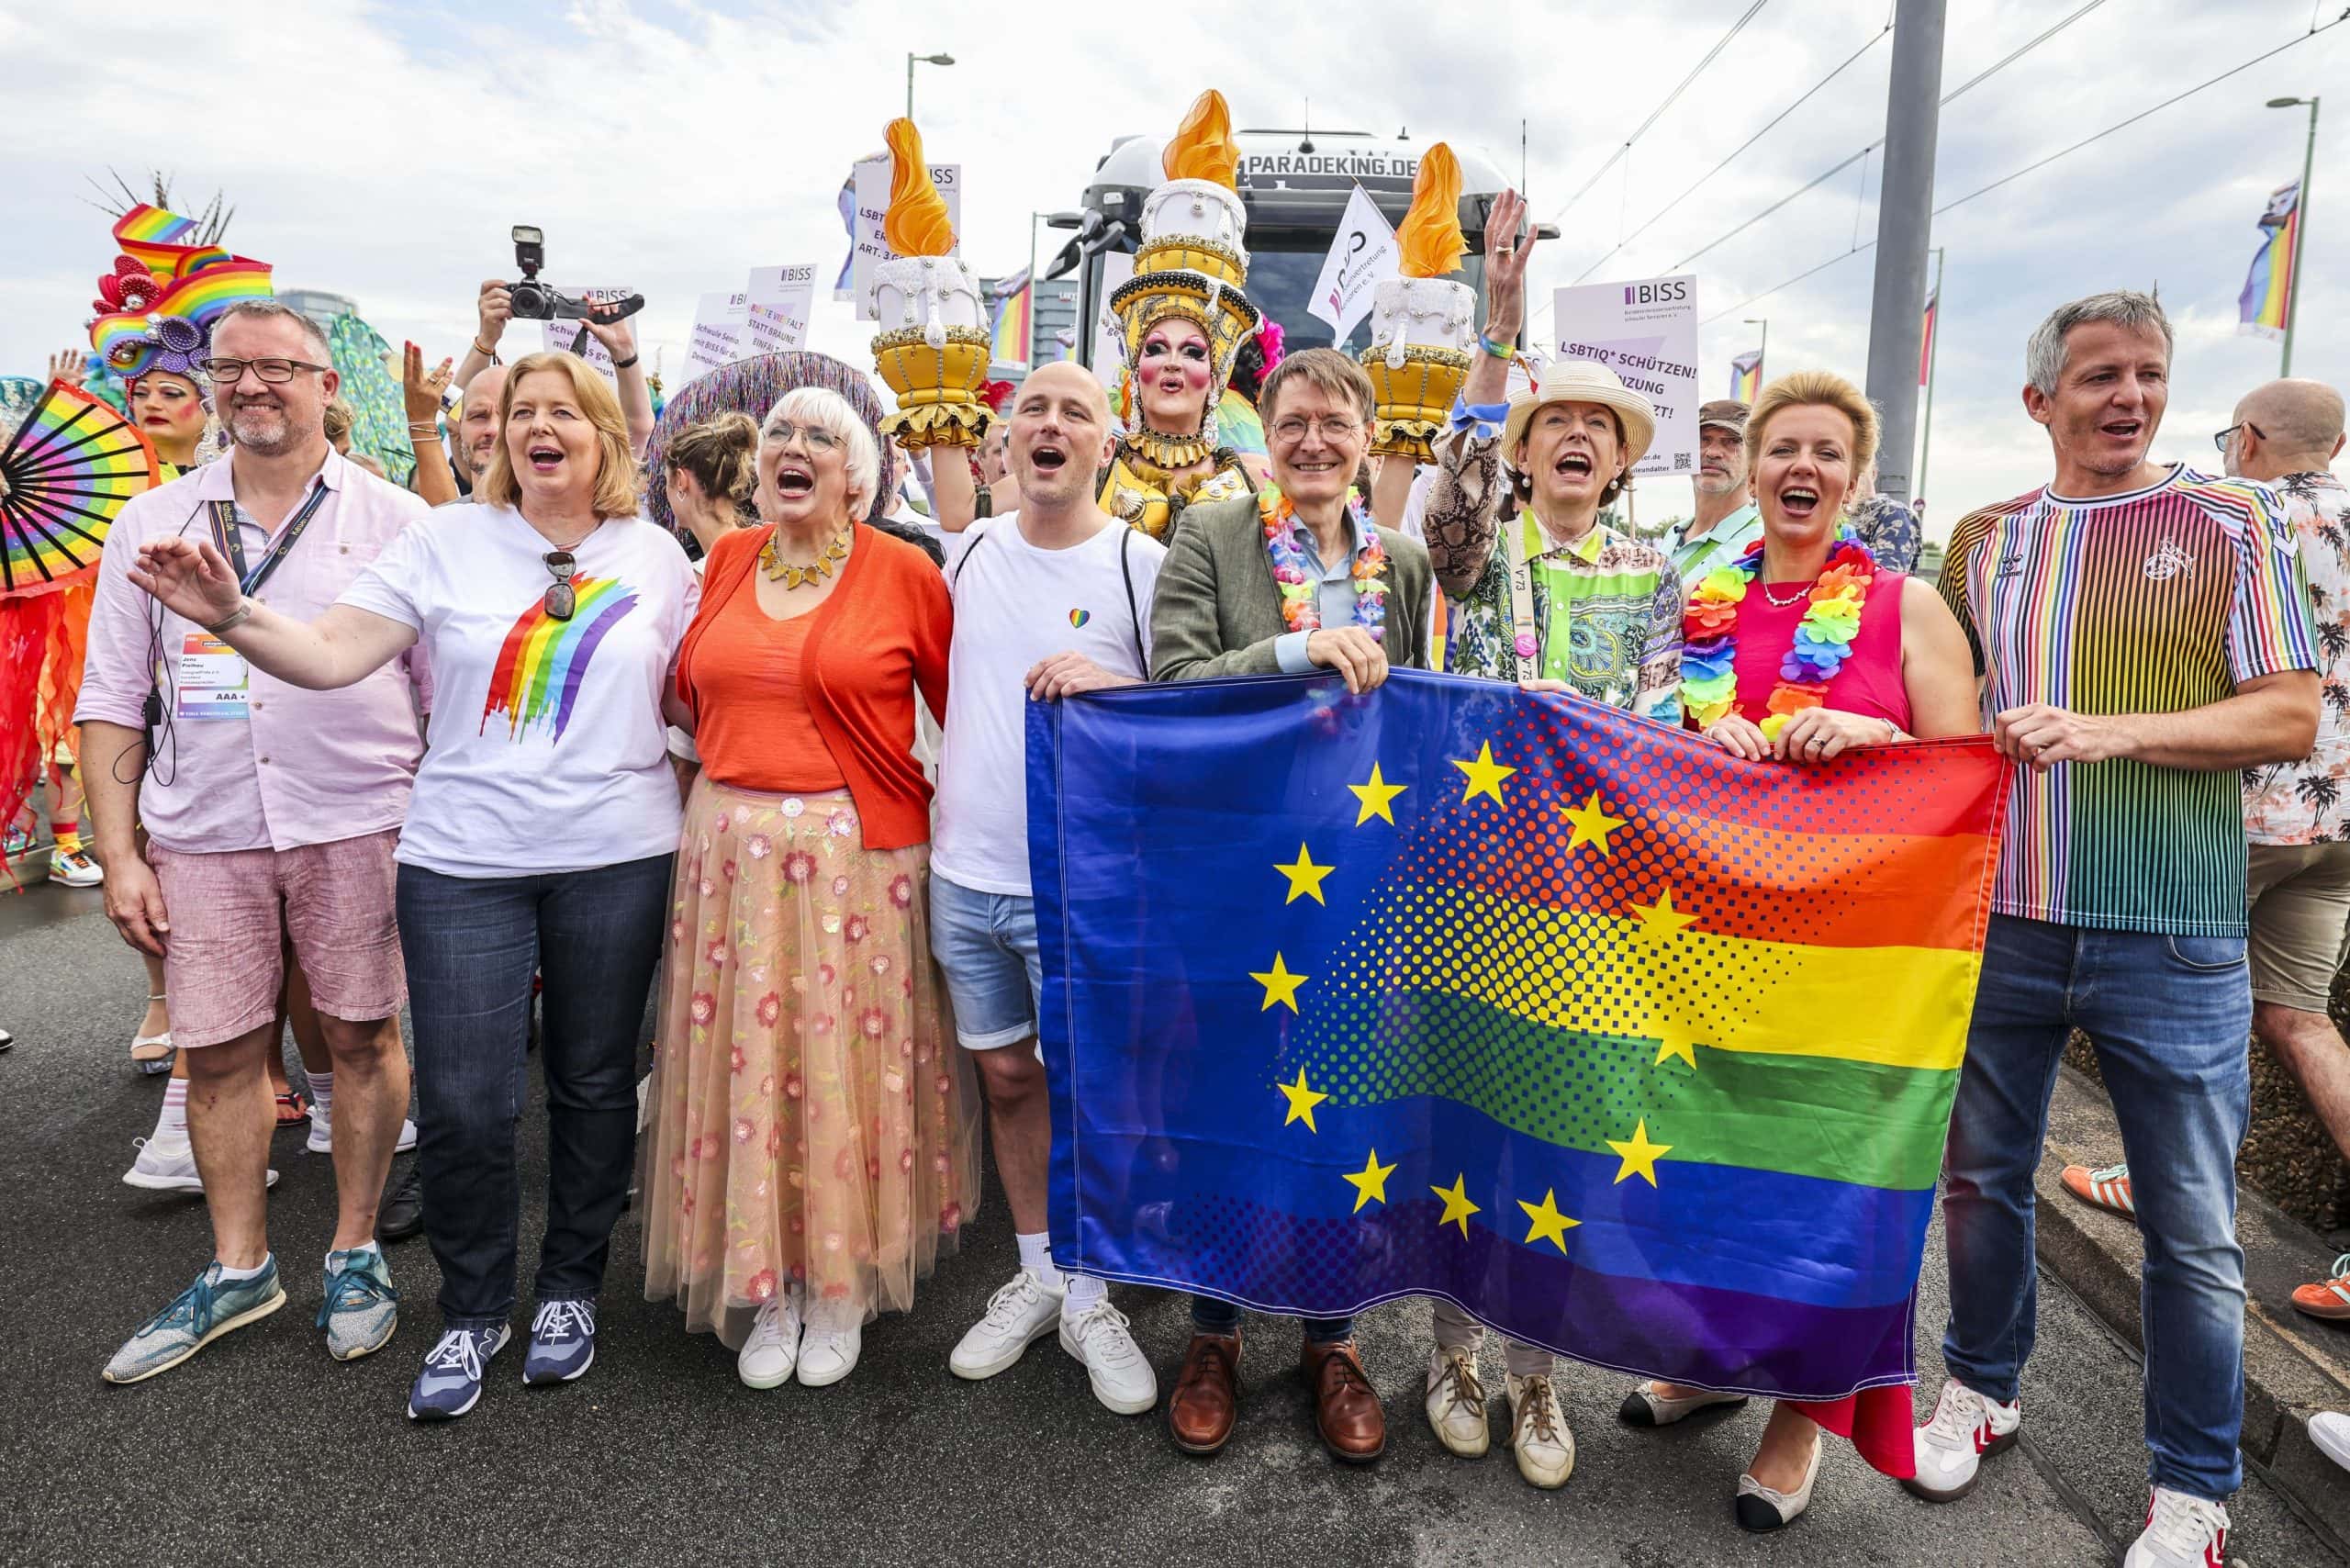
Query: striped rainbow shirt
point(2158, 600)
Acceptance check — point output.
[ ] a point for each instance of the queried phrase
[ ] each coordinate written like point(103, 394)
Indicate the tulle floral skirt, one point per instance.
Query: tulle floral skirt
point(812, 1121)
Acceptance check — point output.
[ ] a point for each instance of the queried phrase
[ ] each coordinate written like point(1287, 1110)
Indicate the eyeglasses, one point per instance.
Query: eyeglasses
point(277, 372)
point(1334, 428)
point(2220, 440)
point(562, 601)
point(818, 439)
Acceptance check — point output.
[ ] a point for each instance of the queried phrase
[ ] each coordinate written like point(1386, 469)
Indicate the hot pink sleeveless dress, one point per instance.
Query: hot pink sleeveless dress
point(1869, 684)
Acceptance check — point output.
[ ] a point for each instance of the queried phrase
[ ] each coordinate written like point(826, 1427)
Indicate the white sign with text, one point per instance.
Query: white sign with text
point(775, 308)
point(1646, 330)
point(717, 325)
point(873, 206)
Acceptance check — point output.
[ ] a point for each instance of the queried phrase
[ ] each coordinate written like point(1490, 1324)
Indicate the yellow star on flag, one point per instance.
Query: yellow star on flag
point(1549, 1223)
point(1305, 878)
point(1660, 922)
point(1302, 1101)
point(1280, 985)
point(1673, 1040)
point(1639, 1155)
point(1457, 1206)
point(1592, 825)
point(1371, 1181)
point(1484, 776)
point(1378, 798)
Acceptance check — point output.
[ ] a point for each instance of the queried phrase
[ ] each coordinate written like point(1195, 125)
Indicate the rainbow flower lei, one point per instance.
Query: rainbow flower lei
point(1823, 637)
point(1300, 588)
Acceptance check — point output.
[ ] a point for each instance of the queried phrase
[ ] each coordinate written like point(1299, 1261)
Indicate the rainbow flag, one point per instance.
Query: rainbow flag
point(1015, 326)
point(1926, 338)
point(542, 661)
point(1631, 1048)
point(2267, 294)
point(1745, 376)
point(128, 342)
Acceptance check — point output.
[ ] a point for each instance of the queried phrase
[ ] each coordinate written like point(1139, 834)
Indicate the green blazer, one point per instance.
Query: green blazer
point(1215, 610)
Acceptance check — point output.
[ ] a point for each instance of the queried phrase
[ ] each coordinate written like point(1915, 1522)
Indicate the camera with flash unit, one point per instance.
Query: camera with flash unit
point(534, 301)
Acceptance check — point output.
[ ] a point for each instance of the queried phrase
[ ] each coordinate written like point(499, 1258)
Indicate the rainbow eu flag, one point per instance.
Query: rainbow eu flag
point(1016, 325)
point(2268, 287)
point(1629, 1047)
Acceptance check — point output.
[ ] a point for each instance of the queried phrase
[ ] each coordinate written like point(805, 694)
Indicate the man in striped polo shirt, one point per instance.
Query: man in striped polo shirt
point(2143, 634)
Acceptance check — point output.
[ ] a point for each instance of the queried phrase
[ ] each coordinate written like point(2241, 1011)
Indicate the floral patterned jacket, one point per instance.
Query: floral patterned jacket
point(1622, 610)
point(2309, 801)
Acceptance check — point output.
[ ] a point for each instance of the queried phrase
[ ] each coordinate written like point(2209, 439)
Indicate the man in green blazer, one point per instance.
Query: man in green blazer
point(1325, 589)
point(1284, 583)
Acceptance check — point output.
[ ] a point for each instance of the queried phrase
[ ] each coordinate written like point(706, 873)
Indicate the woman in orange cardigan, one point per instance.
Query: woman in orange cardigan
point(815, 1145)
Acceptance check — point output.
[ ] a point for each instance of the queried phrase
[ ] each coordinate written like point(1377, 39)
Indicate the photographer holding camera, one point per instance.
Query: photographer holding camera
point(497, 306)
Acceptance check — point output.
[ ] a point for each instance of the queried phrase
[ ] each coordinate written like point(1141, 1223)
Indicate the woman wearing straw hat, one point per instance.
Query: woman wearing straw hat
point(1546, 593)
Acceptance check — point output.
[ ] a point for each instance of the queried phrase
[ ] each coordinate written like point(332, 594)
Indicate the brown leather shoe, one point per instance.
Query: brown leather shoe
point(1206, 1401)
point(1345, 1408)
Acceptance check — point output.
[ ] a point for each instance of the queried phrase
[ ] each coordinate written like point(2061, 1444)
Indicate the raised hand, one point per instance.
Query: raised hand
point(496, 306)
point(190, 578)
point(1507, 253)
point(618, 340)
point(419, 391)
point(68, 366)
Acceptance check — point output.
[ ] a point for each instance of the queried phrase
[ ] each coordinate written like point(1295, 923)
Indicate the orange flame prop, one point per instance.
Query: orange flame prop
point(1430, 240)
point(1204, 148)
point(916, 223)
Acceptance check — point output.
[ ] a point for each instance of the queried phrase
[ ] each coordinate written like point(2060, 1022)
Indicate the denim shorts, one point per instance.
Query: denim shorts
point(986, 946)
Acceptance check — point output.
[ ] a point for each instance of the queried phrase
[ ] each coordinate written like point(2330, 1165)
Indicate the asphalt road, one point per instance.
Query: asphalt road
point(261, 1449)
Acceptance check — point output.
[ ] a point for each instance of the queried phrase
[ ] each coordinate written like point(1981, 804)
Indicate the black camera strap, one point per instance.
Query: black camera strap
point(228, 538)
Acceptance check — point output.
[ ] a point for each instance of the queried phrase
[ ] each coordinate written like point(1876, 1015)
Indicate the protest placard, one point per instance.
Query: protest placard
point(873, 205)
point(776, 309)
point(1646, 330)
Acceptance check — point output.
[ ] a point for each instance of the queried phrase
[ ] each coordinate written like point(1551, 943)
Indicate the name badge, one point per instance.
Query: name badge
point(212, 679)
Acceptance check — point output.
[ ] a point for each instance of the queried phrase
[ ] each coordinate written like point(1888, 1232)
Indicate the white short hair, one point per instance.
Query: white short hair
point(825, 410)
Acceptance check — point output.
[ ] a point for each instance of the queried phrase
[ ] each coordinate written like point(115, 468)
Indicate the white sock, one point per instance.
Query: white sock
point(172, 1126)
point(1085, 1293)
point(1036, 1256)
point(368, 1246)
point(321, 1096)
point(226, 1273)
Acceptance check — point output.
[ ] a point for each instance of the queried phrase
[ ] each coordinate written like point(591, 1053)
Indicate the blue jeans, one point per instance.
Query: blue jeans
point(472, 945)
point(2170, 1016)
point(1210, 1315)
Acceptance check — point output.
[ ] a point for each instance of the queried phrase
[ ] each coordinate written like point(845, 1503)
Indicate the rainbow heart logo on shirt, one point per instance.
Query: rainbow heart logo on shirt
point(545, 661)
point(1080, 617)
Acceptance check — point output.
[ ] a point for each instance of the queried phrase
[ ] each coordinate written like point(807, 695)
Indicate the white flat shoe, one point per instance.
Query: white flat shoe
point(828, 1348)
point(1644, 1406)
point(1761, 1510)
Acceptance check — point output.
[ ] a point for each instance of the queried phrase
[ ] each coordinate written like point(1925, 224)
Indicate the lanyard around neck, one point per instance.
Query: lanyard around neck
point(229, 539)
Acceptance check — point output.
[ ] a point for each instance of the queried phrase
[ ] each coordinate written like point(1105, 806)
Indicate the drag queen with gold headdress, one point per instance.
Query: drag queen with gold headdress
point(1182, 319)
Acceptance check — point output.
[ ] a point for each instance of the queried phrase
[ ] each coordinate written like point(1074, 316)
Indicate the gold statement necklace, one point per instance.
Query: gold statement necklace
point(791, 574)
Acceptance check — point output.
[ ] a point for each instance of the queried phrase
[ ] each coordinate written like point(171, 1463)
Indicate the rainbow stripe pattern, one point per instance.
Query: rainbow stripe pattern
point(1014, 327)
point(161, 241)
point(1632, 1049)
point(2262, 307)
point(543, 662)
point(1745, 376)
point(65, 476)
point(129, 343)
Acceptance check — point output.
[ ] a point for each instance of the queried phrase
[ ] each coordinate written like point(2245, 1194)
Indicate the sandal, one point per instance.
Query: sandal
point(290, 1110)
point(151, 1054)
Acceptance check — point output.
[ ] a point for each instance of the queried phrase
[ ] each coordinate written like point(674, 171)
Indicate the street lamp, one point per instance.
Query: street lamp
point(2300, 228)
point(914, 59)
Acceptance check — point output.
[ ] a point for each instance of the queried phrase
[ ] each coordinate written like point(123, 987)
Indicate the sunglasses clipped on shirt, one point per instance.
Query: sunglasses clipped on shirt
point(562, 601)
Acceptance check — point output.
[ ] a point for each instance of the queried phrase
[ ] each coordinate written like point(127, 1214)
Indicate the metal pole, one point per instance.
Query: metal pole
point(1028, 348)
point(1762, 355)
point(1933, 366)
point(910, 84)
point(1905, 220)
point(2300, 237)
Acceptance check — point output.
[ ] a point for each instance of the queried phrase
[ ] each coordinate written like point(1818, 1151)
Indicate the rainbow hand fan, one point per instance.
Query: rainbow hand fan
point(64, 477)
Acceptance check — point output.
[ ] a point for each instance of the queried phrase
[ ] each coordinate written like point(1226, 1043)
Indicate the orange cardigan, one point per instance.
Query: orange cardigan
point(891, 608)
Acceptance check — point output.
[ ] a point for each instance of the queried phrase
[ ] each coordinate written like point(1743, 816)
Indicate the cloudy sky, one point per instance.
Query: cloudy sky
point(382, 151)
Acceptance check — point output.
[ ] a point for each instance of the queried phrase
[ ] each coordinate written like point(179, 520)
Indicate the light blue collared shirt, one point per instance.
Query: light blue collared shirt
point(1335, 594)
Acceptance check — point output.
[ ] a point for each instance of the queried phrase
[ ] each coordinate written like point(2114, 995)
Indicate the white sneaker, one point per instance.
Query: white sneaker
point(1456, 1404)
point(323, 1134)
point(167, 1165)
point(1546, 1449)
point(829, 1345)
point(2330, 1430)
point(1121, 1379)
point(2181, 1532)
point(1023, 1312)
point(1949, 1449)
point(772, 1349)
point(74, 868)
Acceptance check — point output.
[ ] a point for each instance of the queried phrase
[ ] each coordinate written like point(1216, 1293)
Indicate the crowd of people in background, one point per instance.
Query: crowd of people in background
point(600, 713)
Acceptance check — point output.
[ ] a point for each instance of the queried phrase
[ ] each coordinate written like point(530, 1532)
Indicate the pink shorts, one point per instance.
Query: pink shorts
point(233, 915)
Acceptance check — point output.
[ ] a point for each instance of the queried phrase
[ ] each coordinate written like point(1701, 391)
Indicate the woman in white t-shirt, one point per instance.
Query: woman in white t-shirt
point(539, 838)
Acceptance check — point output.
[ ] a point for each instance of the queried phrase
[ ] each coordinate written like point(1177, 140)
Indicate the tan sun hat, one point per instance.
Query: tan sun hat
point(1584, 381)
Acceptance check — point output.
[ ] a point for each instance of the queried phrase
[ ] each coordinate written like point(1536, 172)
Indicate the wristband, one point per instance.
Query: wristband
point(242, 613)
point(487, 354)
point(624, 364)
point(1503, 351)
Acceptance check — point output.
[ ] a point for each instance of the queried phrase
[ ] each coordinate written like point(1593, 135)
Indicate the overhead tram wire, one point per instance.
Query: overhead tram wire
point(2043, 162)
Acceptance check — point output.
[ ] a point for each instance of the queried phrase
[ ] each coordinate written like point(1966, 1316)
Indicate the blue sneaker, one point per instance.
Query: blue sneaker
point(361, 1309)
point(562, 1341)
point(202, 1312)
point(450, 1384)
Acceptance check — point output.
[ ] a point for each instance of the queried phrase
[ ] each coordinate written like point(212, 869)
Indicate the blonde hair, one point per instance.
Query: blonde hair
point(722, 454)
point(618, 490)
point(339, 419)
point(1815, 389)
